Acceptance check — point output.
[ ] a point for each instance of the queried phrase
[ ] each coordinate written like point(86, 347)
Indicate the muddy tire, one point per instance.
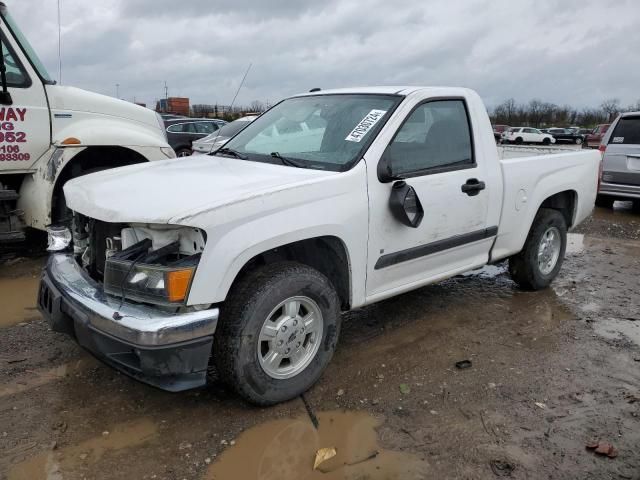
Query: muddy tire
point(259, 323)
point(605, 201)
point(183, 152)
point(539, 262)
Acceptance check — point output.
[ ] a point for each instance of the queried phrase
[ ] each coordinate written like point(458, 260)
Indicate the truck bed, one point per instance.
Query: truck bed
point(531, 175)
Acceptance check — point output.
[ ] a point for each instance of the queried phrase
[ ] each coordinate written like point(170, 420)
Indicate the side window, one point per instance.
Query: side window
point(435, 136)
point(205, 127)
point(176, 128)
point(16, 76)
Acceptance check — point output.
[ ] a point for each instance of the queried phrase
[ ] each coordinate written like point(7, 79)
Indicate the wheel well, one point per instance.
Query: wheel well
point(89, 159)
point(327, 254)
point(565, 203)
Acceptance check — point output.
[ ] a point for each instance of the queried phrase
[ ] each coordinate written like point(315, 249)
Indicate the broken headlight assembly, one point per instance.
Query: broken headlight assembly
point(159, 277)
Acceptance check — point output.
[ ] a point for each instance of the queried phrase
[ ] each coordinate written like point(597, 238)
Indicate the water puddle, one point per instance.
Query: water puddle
point(37, 378)
point(616, 329)
point(55, 465)
point(19, 297)
point(286, 449)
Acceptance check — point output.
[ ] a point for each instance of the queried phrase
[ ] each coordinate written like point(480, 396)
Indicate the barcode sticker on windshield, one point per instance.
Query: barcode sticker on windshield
point(617, 140)
point(365, 125)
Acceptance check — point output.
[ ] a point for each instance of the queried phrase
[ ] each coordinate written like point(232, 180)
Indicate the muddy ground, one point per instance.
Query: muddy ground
point(550, 372)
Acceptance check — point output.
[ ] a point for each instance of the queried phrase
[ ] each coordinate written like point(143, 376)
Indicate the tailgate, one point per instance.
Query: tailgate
point(622, 156)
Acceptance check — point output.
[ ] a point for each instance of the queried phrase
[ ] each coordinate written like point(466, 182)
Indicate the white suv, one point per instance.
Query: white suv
point(527, 135)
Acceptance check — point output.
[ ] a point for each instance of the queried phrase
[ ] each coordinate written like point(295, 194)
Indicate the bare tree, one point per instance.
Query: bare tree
point(611, 108)
point(257, 106)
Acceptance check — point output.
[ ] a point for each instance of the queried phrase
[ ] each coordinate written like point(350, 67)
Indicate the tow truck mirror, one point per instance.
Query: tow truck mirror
point(405, 204)
point(5, 96)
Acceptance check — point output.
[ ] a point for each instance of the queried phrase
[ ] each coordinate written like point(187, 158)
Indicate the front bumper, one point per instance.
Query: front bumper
point(619, 190)
point(169, 351)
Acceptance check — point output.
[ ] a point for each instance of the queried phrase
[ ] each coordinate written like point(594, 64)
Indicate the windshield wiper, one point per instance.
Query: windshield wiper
point(287, 161)
point(232, 152)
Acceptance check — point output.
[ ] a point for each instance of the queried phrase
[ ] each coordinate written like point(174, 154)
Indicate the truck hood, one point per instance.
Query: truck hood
point(71, 99)
point(177, 191)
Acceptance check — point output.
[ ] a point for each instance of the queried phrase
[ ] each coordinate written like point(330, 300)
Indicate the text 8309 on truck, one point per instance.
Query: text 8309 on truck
point(50, 133)
point(327, 202)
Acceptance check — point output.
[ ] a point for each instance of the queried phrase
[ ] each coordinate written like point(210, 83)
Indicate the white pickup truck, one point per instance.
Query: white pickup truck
point(329, 201)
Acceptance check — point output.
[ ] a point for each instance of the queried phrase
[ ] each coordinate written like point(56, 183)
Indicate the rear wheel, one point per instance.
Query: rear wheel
point(578, 141)
point(183, 152)
point(546, 141)
point(605, 201)
point(540, 260)
point(278, 332)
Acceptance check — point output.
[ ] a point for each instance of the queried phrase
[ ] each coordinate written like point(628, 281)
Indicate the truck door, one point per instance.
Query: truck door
point(434, 221)
point(25, 131)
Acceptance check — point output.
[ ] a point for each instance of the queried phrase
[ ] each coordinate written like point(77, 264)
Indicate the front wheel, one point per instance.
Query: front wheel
point(546, 141)
point(539, 262)
point(579, 141)
point(278, 332)
point(519, 141)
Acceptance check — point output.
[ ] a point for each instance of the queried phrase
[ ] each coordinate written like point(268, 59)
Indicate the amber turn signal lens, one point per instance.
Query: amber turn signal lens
point(178, 284)
point(71, 141)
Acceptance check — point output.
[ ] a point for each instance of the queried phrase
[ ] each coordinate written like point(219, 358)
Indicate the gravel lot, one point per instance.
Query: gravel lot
point(550, 372)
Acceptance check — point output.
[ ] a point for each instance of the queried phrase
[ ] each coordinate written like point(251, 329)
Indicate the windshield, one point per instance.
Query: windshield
point(327, 132)
point(26, 47)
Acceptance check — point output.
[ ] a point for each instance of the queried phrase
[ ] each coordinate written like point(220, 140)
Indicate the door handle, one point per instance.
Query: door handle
point(473, 187)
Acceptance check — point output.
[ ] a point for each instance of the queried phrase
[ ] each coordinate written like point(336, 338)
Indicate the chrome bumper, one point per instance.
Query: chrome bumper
point(169, 351)
point(619, 190)
point(131, 322)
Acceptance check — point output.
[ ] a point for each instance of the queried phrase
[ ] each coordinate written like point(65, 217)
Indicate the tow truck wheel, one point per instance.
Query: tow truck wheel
point(277, 333)
point(539, 262)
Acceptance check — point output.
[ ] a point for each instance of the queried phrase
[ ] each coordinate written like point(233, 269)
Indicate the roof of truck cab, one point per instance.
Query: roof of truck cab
point(380, 90)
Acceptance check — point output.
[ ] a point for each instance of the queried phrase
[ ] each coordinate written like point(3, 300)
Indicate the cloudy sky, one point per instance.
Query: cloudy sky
point(576, 52)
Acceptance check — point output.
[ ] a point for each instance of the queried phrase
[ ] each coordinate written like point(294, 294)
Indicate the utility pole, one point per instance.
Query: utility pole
point(117, 90)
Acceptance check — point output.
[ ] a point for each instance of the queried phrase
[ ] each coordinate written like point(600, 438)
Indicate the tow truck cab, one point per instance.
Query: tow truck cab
point(51, 133)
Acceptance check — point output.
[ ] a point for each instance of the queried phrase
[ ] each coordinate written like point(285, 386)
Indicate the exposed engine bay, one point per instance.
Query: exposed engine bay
point(141, 262)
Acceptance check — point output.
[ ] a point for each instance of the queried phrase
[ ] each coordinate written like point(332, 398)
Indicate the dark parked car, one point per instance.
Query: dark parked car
point(497, 131)
point(566, 135)
point(181, 132)
point(595, 137)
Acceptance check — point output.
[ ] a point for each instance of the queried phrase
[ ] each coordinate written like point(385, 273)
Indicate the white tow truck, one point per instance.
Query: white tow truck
point(247, 256)
point(51, 133)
